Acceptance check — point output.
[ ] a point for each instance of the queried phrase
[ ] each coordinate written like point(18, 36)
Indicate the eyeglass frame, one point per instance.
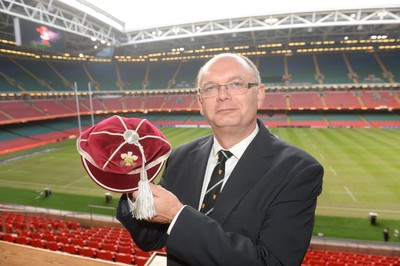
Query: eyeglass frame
point(248, 84)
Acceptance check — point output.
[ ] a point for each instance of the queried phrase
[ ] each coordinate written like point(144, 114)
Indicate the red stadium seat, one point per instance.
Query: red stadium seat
point(38, 243)
point(124, 258)
point(334, 263)
point(109, 247)
point(125, 239)
point(52, 245)
point(71, 249)
point(105, 255)
point(35, 235)
point(113, 236)
point(125, 249)
point(49, 237)
point(110, 241)
point(9, 228)
point(9, 238)
point(93, 244)
point(22, 240)
point(63, 239)
point(24, 233)
point(72, 225)
point(98, 239)
point(313, 262)
point(87, 252)
point(78, 242)
point(140, 261)
point(19, 225)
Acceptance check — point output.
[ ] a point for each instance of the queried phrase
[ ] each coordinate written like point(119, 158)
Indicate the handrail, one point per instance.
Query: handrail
point(90, 207)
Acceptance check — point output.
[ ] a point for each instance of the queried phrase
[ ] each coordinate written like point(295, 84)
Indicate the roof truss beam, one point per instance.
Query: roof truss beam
point(309, 20)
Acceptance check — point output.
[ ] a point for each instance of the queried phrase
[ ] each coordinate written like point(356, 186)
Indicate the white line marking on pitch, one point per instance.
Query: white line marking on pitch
point(74, 182)
point(333, 170)
point(356, 209)
point(349, 192)
point(315, 147)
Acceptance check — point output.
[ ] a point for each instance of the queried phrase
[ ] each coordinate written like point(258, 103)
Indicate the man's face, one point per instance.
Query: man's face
point(225, 110)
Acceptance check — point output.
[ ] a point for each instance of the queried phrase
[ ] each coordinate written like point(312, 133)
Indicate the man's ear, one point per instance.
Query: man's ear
point(200, 103)
point(260, 95)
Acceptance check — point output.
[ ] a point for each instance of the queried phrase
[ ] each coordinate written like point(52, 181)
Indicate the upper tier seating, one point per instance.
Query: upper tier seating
point(18, 74)
point(333, 68)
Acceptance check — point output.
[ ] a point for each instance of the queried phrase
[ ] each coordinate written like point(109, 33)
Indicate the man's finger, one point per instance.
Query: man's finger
point(135, 194)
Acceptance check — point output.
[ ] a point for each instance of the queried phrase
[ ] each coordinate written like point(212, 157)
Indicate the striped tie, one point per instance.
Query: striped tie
point(215, 184)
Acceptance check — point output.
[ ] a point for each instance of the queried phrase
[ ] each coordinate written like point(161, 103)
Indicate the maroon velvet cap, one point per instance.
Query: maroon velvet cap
point(116, 152)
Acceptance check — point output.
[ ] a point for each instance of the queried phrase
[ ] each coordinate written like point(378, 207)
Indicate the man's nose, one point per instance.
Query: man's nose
point(223, 92)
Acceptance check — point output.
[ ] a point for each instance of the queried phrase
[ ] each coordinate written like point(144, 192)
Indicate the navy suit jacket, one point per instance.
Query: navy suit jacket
point(263, 216)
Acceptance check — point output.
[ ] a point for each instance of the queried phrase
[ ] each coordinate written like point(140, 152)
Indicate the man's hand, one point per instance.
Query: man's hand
point(167, 204)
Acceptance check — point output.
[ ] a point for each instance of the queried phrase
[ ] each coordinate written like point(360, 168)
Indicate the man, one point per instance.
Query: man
point(264, 214)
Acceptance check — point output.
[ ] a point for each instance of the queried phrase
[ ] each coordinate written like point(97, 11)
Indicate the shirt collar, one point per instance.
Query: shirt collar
point(238, 149)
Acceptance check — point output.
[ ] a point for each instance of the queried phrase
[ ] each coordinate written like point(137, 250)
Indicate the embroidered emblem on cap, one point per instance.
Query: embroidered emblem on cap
point(128, 159)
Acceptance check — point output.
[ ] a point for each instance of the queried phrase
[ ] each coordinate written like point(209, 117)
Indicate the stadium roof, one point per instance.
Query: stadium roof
point(139, 15)
point(136, 28)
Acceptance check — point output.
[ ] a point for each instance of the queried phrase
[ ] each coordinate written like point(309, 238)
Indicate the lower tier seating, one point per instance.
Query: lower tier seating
point(115, 244)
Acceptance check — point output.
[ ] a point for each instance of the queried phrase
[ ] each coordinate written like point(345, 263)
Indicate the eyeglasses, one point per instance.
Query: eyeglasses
point(211, 89)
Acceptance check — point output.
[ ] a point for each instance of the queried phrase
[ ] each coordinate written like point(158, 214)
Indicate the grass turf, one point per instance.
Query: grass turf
point(361, 175)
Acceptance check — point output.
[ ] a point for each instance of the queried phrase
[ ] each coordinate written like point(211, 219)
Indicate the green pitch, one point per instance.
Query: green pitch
point(362, 168)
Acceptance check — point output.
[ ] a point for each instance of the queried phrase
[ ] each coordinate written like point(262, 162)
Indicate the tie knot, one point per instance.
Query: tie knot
point(224, 155)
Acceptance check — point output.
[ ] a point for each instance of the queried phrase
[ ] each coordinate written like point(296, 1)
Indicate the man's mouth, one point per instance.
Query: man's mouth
point(225, 109)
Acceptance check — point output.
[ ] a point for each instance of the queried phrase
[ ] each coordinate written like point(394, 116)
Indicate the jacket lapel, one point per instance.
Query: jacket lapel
point(195, 171)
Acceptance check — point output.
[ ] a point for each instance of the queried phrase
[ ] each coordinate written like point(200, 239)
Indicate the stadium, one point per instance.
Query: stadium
point(332, 88)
